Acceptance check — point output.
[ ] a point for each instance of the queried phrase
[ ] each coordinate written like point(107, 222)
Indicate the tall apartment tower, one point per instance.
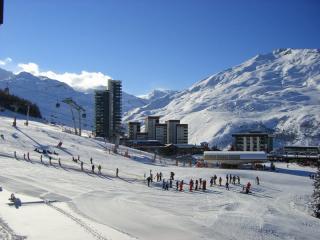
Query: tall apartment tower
point(161, 133)
point(182, 134)
point(108, 111)
point(134, 129)
point(1, 11)
point(177, 133)
point(150, 127)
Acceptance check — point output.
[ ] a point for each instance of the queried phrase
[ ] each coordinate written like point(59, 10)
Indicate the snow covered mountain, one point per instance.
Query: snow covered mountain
point(46, 93)
point(276, 92)
point(158, 93)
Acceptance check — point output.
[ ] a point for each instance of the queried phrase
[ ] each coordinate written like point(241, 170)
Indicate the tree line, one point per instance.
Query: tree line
point(19, 105)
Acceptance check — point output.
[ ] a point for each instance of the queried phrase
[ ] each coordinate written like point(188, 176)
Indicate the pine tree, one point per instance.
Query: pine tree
point(316, 195)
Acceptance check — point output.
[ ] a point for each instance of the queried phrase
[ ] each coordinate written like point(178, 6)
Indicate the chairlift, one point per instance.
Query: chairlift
point(57, 105)
point(84, 115)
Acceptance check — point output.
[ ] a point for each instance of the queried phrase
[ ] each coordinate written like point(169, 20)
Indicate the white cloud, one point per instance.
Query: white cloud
point(5, 61)
point(32, 68)
point(81, 81)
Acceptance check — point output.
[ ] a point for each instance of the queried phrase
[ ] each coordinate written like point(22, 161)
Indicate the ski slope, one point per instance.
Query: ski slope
point(93, 206)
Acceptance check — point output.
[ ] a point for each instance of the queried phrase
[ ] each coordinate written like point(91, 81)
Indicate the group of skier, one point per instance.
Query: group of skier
point(199, 184)
point(26, 156)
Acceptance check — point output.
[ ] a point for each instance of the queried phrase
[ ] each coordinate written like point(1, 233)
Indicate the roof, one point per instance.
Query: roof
point(243, 154)
point(183, 145)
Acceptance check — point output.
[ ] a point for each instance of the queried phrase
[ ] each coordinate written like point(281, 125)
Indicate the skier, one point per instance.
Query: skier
point(204, 185)
point(220, 181)
point(149, 180)
point(200, 183)
point(99, 169)
point(41, 158)
point(91, 160)
point(227, 185)
point(117, 172)
point(160, 176)
point(248, 187)
point(181, 186)
point(50, 160)
point(167, 186)
point(258, 180)
point(92, 168)
point(234, 180)
point(81, 165)
point(157, 175)
point(227, 177)
point(28, 156)
point(15, 154)
point(215, 179)
point(177, 185)
point(163, 184)
point(238, 179)
point(170, 183)
point(59, 162)
point(12, 197)
point(211, 182)
point(172, 175)
point(191, 185)
point(197, 183)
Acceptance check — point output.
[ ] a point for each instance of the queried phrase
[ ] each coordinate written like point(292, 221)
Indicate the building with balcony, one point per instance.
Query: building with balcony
point(108, 111)
point(253, 141)
point(150, 126)
point(133, 130)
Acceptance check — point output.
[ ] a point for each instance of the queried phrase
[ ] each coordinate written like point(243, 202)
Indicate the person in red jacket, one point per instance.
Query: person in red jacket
point(191, 185)
point(181, 186)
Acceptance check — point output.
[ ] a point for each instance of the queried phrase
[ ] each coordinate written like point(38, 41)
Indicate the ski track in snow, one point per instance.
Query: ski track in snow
point(89, 229)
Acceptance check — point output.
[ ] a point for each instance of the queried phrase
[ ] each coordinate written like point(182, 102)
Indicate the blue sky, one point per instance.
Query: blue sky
point(151, 44)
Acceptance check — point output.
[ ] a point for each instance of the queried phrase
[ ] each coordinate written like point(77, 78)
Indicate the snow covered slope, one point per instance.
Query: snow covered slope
point(277, 91)
point(92, 206)
point(47, 92)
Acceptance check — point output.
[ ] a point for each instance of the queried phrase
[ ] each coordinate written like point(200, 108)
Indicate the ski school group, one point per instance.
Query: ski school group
point(198, 184)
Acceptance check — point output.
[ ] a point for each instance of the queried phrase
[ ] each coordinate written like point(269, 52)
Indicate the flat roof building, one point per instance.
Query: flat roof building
point(108, 111)
point(133, 129)
point(161, 132)
point(234, 158)
point(253, 141)
point(150, 127)
point(172, 131)
point(182, 134)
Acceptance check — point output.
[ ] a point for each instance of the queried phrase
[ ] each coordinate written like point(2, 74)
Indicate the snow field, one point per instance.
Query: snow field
point(93, 206)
